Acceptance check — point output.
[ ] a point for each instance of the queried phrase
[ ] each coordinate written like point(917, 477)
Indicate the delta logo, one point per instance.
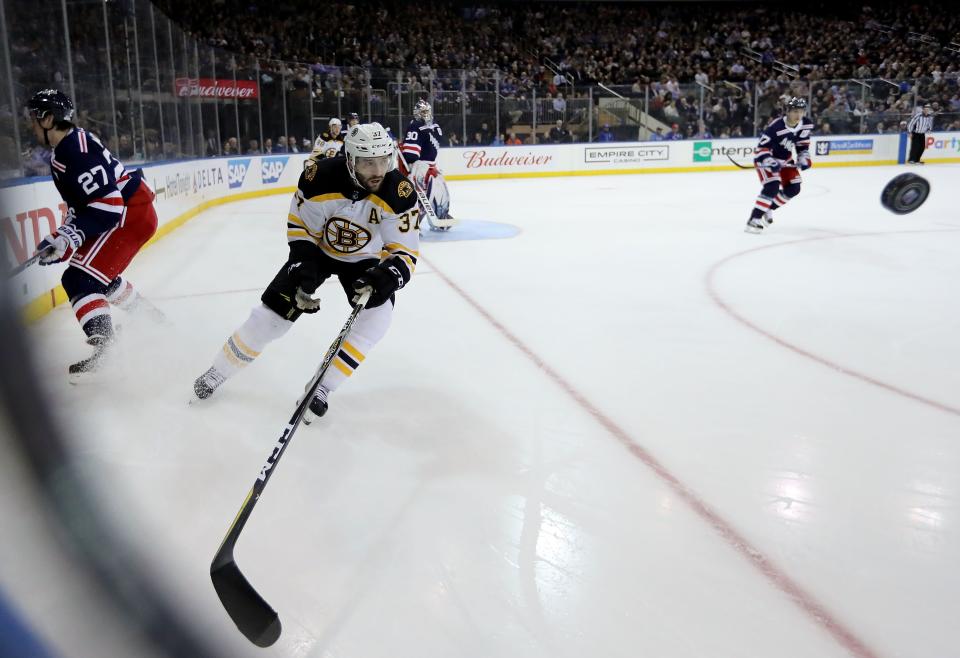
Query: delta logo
point(272, 168)
point(237, 172)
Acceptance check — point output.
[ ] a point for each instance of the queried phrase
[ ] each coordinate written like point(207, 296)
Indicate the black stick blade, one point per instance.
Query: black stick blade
point(252, 615)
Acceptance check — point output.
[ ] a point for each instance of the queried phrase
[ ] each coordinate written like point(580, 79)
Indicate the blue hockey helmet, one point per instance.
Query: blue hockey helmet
point(51, 102)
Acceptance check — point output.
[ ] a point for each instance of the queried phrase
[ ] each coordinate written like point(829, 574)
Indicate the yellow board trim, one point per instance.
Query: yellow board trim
point(46, 302)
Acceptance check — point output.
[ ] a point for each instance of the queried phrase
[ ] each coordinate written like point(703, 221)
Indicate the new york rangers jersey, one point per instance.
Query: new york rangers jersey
point(779, 141)
point(422, 142)
point(93, 183)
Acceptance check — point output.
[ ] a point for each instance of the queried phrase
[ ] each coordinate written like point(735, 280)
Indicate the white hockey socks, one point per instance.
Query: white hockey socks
point(370, 327)
point(245, 344)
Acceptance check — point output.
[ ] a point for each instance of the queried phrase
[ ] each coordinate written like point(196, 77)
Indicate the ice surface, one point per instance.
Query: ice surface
point(472, 491)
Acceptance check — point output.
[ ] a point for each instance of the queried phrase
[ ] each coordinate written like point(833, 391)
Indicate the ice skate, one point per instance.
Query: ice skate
point(755, 225)
point(318, 406)
point(206, 384)
point(83, 370)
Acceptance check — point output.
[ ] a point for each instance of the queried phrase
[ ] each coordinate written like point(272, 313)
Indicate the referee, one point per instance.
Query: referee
point(919, 126)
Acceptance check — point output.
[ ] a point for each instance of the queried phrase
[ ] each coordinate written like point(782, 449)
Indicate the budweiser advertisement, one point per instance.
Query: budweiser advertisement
point(216, 88)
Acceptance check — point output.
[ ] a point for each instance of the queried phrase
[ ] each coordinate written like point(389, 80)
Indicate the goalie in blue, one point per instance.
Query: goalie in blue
point(419, 162)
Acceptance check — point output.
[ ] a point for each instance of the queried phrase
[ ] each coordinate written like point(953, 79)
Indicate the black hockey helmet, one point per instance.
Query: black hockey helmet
point(51, 102)
point(796, 103)
point(353, 116)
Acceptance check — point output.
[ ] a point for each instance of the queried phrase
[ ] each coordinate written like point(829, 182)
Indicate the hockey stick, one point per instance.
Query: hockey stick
point(783, 163)
point(30, 261)
point(249, 611)
point(730, 157)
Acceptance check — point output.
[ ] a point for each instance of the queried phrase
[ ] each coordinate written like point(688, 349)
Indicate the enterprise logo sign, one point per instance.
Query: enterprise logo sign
point(626, 154)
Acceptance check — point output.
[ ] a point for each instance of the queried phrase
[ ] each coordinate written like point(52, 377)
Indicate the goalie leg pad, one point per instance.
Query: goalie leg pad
point(439, 196)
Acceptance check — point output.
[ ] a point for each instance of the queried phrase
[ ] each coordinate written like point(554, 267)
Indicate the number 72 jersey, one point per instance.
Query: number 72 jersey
point(92, 182)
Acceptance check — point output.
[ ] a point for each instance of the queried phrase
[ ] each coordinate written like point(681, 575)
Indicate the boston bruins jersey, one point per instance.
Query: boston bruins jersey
point(349, 223)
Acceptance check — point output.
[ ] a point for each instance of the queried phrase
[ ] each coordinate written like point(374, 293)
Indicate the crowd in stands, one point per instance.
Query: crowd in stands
point(559, 49)
point(700, 69)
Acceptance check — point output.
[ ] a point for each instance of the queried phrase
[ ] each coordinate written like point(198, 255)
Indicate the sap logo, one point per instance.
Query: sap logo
point(237, 172)
point(272, 168)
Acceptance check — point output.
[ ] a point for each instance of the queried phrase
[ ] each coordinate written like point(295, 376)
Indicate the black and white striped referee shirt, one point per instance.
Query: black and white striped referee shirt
point(920, 124)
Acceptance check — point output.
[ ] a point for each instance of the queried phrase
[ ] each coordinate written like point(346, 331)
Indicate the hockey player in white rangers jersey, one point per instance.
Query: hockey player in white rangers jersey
point(355, 218)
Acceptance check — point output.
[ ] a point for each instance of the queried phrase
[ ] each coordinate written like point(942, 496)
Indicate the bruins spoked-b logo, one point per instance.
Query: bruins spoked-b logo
point(345, 236)
point(405, 189)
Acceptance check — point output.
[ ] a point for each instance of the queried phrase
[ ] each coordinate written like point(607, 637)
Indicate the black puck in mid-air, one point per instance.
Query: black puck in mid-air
point(905, 193)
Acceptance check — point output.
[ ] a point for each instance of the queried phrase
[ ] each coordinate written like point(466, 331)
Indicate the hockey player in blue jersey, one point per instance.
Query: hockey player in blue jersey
point(778, 169)
point(419, 162)
point(110, 217)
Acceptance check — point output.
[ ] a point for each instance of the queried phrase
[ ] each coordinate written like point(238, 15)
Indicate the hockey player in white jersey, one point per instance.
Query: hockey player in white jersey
point(355, 218)
point(419, 150)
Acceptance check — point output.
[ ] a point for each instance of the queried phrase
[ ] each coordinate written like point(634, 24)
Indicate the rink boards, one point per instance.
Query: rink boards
point(31, 208)
point(590, 159)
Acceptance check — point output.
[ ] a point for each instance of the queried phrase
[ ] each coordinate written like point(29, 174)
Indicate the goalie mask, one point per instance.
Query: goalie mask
point(423, 111)
point(371, 154)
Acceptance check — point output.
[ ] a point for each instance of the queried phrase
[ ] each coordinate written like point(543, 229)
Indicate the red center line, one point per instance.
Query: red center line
point(715, 296)
point(805, 601)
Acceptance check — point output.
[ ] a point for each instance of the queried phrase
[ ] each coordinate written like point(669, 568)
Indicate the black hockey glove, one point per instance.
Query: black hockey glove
point(385, 279)
point(304, 275)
